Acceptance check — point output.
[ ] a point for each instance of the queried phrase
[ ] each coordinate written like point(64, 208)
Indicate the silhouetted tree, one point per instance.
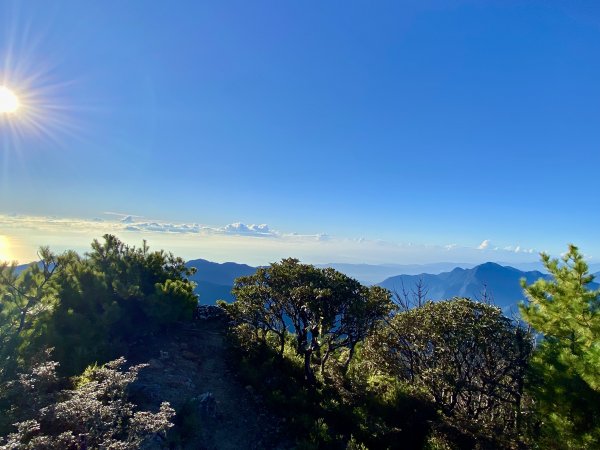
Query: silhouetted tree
point(414, 297)
point(325, 310)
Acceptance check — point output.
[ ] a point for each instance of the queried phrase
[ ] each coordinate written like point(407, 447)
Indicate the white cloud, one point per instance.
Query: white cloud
point(121, 216)
point(518, 249)
point(159, 227)
point(250, 243)
point(243, 229)
point(234, 229)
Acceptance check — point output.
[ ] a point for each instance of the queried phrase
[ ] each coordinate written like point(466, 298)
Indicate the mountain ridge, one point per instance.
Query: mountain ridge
point(214, 281)
point(500, 284)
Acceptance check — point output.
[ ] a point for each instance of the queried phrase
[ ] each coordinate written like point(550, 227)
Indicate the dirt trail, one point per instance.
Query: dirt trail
point(188, 367)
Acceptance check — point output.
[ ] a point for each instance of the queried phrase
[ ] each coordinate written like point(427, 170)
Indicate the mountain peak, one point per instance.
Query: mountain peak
point(489, 265)
point(501, 282)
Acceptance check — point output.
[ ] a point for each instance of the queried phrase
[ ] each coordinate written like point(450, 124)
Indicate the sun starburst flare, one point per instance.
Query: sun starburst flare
point(32, 107)
point(40, 111)
point(39, 107)
point(9, 101)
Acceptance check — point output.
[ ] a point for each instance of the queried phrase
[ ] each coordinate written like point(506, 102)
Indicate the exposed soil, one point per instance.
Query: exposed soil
point(188, 367)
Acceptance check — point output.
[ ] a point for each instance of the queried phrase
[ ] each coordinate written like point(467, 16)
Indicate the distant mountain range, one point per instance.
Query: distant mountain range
point(374, 273)
point(502, 283)
point(215, 280)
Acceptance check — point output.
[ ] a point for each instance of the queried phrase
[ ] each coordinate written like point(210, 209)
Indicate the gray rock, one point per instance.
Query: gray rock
point(207, 405)
point(155, 364)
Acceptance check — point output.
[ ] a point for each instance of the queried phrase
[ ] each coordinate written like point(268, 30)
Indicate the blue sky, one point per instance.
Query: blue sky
point(419, 124)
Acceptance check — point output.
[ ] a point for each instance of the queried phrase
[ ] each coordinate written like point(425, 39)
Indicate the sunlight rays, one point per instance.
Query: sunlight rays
point(9, 101)
point(41, 113)
point(41, 109)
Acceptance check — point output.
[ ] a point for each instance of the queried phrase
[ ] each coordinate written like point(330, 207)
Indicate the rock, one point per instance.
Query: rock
point(207, 405)
point(164, 355)
point(155, 364)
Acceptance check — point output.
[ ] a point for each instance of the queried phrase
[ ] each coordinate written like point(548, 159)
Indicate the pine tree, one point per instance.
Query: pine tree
point(565, 375)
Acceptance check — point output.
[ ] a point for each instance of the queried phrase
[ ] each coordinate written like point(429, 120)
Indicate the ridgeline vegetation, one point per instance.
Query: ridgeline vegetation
point(337, 364)
point(62, 317)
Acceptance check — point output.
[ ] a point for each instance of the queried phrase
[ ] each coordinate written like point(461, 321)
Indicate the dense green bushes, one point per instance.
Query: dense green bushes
point(456, 373)
point(88, 308)
point(354, 409)
point(83, 310)
point(468, 359)
point(338, 361)
point(95, 414)
point(328, 313)
point(450, 372)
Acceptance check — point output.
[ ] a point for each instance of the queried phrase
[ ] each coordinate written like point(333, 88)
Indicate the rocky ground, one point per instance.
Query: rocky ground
point(189, 368)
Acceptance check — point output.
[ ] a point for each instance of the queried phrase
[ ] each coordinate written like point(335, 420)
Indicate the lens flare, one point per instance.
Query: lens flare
point(9, 102)
point(39, 110)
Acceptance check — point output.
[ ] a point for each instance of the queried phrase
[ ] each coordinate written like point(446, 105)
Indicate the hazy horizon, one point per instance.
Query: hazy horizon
point(248, 244)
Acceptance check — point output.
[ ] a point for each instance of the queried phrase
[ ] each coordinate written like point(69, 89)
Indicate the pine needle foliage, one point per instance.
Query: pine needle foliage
point(565, 370)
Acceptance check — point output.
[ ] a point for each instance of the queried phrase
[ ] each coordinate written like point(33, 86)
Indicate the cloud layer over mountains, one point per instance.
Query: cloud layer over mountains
point(251, 243)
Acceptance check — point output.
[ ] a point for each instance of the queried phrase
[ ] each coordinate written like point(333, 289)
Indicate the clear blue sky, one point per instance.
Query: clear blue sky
point(430, 122)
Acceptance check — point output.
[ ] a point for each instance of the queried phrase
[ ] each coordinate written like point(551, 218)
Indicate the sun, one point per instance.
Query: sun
point(9, 102)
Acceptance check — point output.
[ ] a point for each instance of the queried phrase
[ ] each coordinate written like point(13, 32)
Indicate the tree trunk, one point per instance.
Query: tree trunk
point(324, 360)
point(350, 355)
point(281, 344)
point(309, 374)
